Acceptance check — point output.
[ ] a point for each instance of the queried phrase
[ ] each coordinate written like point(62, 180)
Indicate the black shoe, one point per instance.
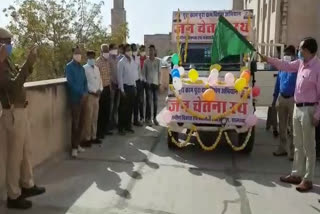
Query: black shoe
point(19, 203)
point(97, 141)
point(86, 144)
point(109, 133)
point(122, 133)
point(33, 191)
point(130, 130)
point(155, 122)
point(137, 123)
point(275, 133)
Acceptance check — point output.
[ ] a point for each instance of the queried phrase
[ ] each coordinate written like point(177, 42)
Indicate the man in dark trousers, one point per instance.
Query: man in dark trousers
point(78, 92)
point(138, 105)
point(151, 70)
point(102, 63)
point(127, 76)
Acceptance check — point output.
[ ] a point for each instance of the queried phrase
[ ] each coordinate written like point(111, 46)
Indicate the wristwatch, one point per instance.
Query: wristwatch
point(0, 110)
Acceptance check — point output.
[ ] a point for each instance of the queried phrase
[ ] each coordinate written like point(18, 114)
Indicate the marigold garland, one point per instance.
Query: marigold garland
point(214, 145)
point(235, 148)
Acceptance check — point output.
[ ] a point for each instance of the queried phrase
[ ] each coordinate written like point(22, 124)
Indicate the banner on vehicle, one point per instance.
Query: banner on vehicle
point(200, 25)
point(226, 98)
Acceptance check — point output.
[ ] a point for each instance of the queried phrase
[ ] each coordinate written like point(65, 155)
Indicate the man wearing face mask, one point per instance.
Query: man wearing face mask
point(115, 94)
point(127, 77)
point(78, 91)
point(105, 98)
point(152, 72)
point(306, 112)
point(94, 90)
point(138, 105)
point(121, 52)
point(143, 57)
point(285, 86)
point(15, 128)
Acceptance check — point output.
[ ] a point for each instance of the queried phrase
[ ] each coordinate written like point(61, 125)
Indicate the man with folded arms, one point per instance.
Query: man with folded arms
point(306, 112)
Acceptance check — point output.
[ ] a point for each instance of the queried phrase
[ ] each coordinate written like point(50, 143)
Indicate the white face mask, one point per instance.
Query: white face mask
point(135, 53)
point(77, 57)
point(105, 55)
point(129, 53)
point(287, 58)
point(114, 52)
point(142, 53)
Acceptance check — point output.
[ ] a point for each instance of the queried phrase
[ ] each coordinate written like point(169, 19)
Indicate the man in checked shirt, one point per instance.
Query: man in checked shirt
point(105, 98)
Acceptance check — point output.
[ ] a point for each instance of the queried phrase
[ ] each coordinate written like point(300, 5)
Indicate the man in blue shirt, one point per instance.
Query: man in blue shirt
point(78, 90)
point(285, 87)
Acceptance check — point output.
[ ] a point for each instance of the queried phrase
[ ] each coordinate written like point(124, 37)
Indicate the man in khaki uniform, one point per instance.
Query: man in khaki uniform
point(14, 128)
point(284, 95)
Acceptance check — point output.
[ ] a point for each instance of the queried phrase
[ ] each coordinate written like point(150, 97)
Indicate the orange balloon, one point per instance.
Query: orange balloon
point(246, 75)
point(209, 95)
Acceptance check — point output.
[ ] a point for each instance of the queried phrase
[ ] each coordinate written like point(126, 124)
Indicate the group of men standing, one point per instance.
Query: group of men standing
point(109, 92)
point(104, 94)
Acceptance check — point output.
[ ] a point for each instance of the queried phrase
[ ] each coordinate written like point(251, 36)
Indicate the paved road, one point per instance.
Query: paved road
point(138, 174)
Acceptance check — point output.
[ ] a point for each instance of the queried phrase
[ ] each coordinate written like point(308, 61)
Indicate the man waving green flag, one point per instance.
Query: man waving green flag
point(227, 41)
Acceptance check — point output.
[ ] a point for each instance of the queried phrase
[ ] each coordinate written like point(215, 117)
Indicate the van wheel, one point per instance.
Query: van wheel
point(171, 145)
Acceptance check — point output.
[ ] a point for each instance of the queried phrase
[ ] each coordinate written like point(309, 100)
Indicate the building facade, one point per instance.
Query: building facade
point(282, 22)
point(162, 42)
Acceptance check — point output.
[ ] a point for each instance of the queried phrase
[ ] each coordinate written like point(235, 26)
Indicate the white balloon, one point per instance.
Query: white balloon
point(175, 67)
point(177, 83)
point(212, 80)
point(213, 77)
point(229, 79)
point(214, 71)
point(181, 71)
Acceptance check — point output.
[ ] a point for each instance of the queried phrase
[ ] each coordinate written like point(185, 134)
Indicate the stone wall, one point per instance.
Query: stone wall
point(50, 123)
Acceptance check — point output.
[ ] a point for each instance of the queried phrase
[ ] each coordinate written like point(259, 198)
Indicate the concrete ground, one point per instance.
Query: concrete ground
point(138, 174)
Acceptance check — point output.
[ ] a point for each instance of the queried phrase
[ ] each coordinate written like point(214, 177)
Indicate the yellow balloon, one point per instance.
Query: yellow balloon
point(193, 75)
point(215, 66)
point(209, 95)
point(240, 84)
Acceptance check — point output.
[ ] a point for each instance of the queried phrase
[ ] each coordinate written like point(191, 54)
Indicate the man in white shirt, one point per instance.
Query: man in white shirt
point(95, 88)
point(138, 104)
point(127, 76)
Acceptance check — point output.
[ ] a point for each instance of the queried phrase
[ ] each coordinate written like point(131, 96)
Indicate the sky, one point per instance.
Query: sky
point(146, 16)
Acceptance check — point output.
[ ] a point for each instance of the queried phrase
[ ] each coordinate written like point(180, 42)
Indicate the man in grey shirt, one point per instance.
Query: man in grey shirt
point(151, 70)
point(127, 76)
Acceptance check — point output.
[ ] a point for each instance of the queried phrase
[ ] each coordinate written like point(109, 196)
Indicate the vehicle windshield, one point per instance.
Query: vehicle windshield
point(199, 57)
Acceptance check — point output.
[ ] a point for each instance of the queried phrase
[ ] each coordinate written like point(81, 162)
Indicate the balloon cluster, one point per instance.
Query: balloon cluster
point(176, 72)
point(243, 81)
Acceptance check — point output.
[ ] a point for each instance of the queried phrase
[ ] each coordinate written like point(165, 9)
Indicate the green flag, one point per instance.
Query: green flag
point(227, 41)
